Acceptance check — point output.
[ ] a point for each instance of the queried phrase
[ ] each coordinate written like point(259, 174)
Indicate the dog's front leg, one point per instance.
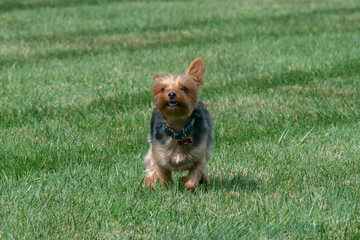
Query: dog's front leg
point(165, 177)
point(194, 176)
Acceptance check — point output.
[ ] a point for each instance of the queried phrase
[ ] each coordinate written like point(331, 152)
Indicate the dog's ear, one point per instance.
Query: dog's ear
point(196, 69)
point(156, 76)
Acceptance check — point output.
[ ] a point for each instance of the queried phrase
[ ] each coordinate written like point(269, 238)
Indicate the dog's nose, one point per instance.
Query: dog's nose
point(172, 95)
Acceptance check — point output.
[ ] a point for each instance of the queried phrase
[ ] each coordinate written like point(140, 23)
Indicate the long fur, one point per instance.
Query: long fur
point(165, 155)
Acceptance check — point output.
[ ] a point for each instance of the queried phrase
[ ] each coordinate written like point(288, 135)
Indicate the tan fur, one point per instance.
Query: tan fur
point(162, 159)
point(196, 69)
point(174, 83)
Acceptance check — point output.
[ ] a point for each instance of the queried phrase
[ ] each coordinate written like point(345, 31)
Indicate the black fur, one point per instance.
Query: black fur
point(202, 129)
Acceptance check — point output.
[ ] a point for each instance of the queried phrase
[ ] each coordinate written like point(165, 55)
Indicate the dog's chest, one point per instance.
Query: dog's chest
point(180, 157)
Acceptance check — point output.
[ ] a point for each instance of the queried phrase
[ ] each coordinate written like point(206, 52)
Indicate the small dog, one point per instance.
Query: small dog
point(181, 130)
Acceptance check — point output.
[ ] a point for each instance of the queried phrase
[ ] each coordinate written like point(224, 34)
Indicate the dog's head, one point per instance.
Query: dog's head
point(176, 95)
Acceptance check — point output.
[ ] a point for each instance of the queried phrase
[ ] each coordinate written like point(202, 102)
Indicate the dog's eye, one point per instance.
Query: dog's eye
point(163, 89)
point(184, 89)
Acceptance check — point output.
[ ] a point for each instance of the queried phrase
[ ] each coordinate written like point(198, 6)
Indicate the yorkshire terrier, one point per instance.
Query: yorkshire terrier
point(181, 130)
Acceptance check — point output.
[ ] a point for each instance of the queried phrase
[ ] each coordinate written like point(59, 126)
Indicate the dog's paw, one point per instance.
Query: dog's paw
point(151, 180)
point(188, 184)
point(204, 179)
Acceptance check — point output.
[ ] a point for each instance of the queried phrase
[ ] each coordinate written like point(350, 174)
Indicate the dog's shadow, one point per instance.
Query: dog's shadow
point(233, 183)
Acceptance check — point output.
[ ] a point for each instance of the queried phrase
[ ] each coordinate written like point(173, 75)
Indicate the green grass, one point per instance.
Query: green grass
point(282, 85)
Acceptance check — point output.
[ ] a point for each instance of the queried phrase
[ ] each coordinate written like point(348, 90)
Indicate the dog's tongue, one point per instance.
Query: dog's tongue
point(173, 104)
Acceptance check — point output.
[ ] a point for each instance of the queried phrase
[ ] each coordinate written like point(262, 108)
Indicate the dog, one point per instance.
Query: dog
point(181, 130)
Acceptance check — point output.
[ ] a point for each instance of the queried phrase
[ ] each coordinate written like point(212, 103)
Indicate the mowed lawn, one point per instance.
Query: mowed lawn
point(282, 85)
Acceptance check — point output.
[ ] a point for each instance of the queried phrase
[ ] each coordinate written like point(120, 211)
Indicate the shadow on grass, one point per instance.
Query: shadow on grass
point(122, 103)
point(116, 104)
point(108, 105)
point(88, 38)
point(199, 23)
point(233, 183)
point(9, 5)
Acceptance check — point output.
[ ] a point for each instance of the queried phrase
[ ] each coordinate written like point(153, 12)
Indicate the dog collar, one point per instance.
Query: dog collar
point(180, 136)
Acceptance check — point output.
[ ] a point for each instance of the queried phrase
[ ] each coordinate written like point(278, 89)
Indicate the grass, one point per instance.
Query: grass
point(282, 85)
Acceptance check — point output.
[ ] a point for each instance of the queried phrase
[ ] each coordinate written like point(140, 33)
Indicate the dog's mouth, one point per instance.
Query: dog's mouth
point(173, 104)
